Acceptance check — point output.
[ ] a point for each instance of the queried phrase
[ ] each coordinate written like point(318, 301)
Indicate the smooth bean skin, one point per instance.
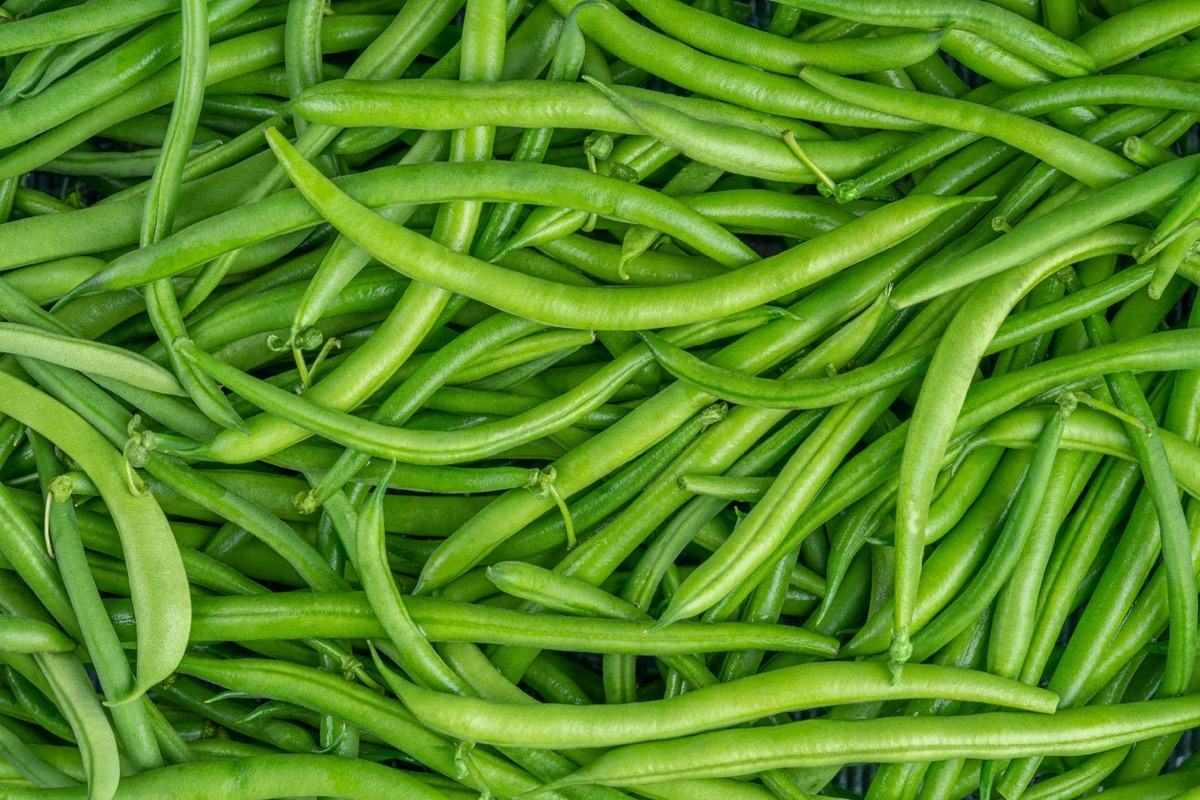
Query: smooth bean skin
point(1079, 158)
point(370, 560)
point(156, 571)
point(1135, 30)
point(899, 368)
point(258, 778)
point(413, 184)
point(952, 368)
point(986, 401)
point(654, 419)
point(1051, 230)
point(1009, 30)
point(751, 153)
point(612, 308)
point(446, 105)
point(713, 77)
point(1096, 432)
point(1004, 556)
point(392, 722)
point(22, 635)
point(719, 706)
point(735, 42)
point(302, 615)
point(57, 27)
point(419, 446)
point(87, 356)
point(104, 226)
point(106, 77)
point(430, 104)
point(76, 699)
point(226, 59)
point(762, 211)
point(418, 388)
point(994, 735)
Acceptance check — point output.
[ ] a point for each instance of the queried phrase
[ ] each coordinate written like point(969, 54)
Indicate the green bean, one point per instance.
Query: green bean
point(953, 366)
point(76, 52)
point(750, 153)
point(388, 718)
point(1009, 545)
point(26, 555)
point(984, 402)
point(738, 43)
point(162, 199)
point(121, 165)
point(226, 59)
point(280, 537)
point(1016, 608)
point(761, 211)
point(805, 392)
point(394, 50)
point(26, 74)
point(739, 701)
point(155, 569)
point(414, 446)
point(22, 635)
point(632, 435)
point(45, 237)
point(744, 489)
point(29, 764)
point(75, 697)
point(1179, 784)
point(225, 155)
point(32, 691)
point(815, 742)
point(404, 400)
point(617, 504)
point(371, 562)
point(569, 53)
point(559, 593)
point(193, 696)
point(74, 23)
point(527, 52)
point(105, 77)
point(1145, 153)
point(302, 48)
point(1032, 101)
point(955, 560)
point(91, 357)
point(1038, 236)
point(337, 271)
point(715, 77)
point(416, 184)
point(428, 104)
point(1161, 484)
point(1124, 36)
point(1080, 779)
point(264, 775)
point(1091, 164)
point(1009, 30)
point(301, 615)
point(570, 306)
point(616, 492)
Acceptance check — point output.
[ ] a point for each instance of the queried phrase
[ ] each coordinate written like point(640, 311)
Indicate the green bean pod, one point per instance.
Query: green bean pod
point(156, 572)
point(1076, 731)
point(21, 635)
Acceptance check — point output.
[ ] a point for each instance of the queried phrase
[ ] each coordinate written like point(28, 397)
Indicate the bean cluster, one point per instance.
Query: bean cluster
point(599, 400)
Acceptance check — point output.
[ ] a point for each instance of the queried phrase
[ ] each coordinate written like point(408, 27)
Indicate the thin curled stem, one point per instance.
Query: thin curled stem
point(542, 484)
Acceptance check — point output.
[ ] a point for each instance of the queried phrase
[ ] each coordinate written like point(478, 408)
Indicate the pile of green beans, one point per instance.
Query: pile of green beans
point(599, 399)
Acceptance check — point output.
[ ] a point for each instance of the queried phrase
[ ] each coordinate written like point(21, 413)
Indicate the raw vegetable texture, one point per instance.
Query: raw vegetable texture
point(598, 400)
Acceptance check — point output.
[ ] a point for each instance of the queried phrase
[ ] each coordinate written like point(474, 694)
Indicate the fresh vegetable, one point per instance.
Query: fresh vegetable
point(579, 399)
